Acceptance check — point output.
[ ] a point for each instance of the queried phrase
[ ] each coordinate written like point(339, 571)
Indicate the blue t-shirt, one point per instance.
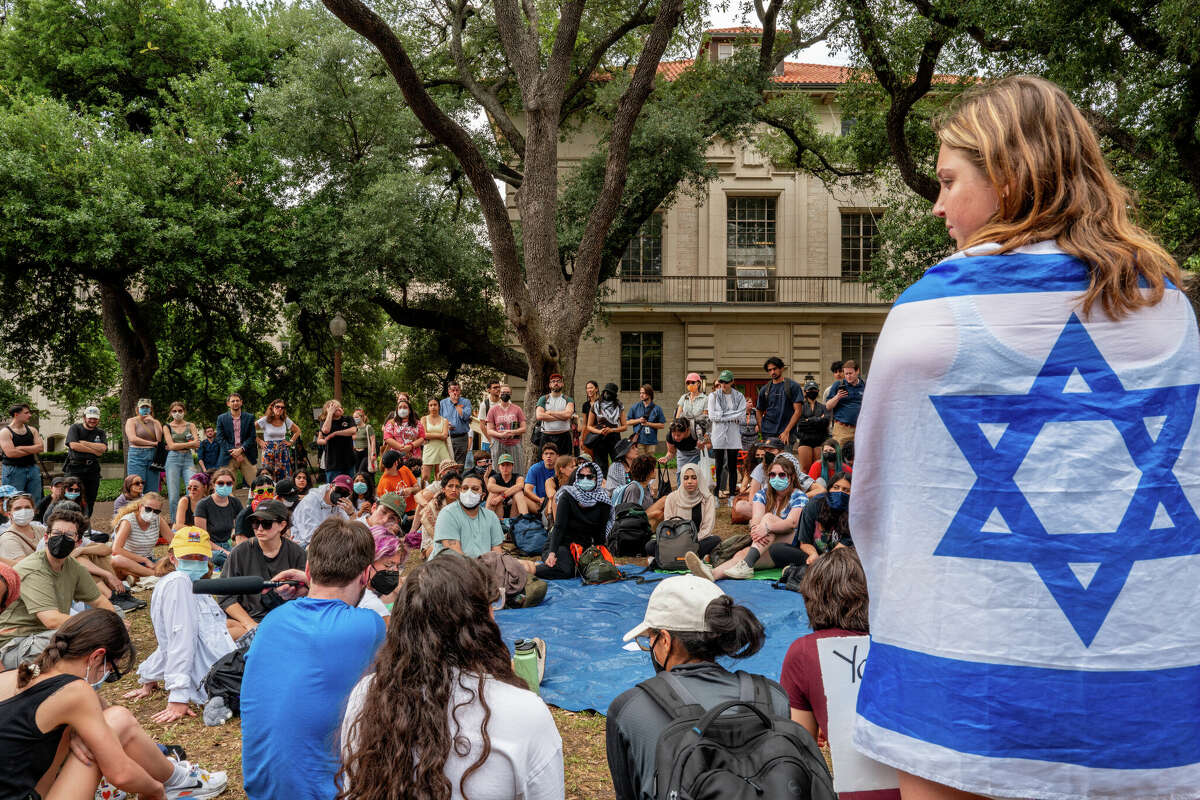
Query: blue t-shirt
point(846, 411)
point(306, 657)
point(537, 476)
point(776, 402)
point(646, 434)
point(209, 453)
point(798, 500)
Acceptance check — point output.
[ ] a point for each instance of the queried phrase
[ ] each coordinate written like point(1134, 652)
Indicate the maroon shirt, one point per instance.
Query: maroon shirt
point(801, 679)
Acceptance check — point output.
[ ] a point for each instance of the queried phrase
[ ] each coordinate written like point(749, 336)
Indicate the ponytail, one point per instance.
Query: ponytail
point(79, 636)
point(733, 631)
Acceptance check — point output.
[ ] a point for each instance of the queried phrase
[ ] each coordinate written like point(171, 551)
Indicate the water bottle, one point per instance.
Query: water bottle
point(525, 663)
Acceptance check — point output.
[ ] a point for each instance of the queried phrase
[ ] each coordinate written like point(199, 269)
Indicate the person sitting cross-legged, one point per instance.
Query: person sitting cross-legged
point(692, 501)
point(582, 516)
point(506, 490)
point(267, 555)
point(465, 526)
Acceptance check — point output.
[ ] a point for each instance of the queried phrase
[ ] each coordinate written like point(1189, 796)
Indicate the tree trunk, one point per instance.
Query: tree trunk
point(137, 355)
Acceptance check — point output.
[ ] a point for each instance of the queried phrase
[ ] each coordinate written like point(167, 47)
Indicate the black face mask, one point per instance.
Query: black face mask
point(60, 545)
point(811, 394)
point(657, 666)
point(505, 397)
point(385, 581)
point(830, 457)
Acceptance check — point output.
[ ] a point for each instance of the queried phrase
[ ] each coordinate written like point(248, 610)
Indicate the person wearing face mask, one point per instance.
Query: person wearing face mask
point(466, 526)
point(143, 433)
point(364, 443)
point(384, 581)
point(824, 526)
point(182, 438)
point(812, 427)
point(189, 628)
point(403, 433)
point(582, 515)
point(86, 441)
point(20, 536)
point(57, 693)
point(362, 494)
point(50, 582)
point(689, 623)
point(505, 427)
point(829, 464)
point(605, 422)
point(137, 531)
point(319, 644)
point(217, 513)
point(331, 500)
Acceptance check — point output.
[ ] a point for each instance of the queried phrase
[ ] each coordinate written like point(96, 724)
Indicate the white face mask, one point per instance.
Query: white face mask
point(148, 515)
point(177, 415)
point(469, 499)
point(402, 413)
point(22, 516)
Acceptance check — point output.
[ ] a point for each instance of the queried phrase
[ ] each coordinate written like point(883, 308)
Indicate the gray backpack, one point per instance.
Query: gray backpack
point(674, 539)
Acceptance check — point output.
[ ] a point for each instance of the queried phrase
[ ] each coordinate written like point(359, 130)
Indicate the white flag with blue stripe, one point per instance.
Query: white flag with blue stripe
point(1024, 503)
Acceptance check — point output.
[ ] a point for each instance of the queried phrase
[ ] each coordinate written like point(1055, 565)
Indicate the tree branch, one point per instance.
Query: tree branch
point(635, 20)
point(803, 147)
point(481, 345)
point(990, 43)
point(490, 102)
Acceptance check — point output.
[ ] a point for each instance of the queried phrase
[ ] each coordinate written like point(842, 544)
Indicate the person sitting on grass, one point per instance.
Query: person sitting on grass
point(835, 597)
point(131, 489)
point(824, 527)
point(218, 512)
point(135, 533)
point(777, 510)
point(305, 658)
point(20, 535)
point(689, 623)
point(49, 705)
point(829, 464)
point(268, 555)
point(262, 488)
point(536, 477)
point(563, 467)
point(362, 494)
point(583, 515)
point(185, 510)
point(692, 501)
point(189, 628)
point(50, 581)
point(465, 526)
point(397, 478)
point(384, 572)
point(451, 484)
point(506, 490)
point(442, 698)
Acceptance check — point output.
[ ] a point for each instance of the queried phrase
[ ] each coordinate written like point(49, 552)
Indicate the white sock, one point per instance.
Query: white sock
point(180, 775)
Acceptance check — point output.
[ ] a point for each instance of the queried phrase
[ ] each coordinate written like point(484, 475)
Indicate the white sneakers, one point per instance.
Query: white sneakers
point(698, 567)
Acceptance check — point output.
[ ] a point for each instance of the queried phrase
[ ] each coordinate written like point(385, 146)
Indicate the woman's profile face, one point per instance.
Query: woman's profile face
point(967, 200)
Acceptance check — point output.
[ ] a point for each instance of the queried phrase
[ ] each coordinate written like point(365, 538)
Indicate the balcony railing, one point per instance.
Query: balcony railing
point(694, 290)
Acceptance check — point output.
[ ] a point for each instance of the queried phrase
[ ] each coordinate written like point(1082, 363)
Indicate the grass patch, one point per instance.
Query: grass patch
point(109, 489)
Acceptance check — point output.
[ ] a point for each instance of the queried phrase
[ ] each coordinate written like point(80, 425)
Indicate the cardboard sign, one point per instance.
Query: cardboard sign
point(842, 661)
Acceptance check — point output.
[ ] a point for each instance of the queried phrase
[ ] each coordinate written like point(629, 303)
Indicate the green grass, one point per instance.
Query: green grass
point(109, 489)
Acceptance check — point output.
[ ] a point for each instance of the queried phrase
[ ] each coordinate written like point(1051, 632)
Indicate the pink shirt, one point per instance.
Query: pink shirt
point(501, 419)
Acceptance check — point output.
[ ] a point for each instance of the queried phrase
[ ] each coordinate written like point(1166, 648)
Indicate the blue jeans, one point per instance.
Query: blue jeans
point(179, 470)
point(138, 463)
point(25, 479)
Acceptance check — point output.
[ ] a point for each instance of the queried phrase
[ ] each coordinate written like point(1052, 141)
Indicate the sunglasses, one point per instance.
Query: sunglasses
point(223, 483)
point(645, 642)
point(136, 483)
point(152, 508)
point(693, 383)
point(262, 523)
point(262, 489)
point(777, 474)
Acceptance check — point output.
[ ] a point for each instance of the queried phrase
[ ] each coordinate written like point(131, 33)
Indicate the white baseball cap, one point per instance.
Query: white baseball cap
point(678, 604)
point(91, 412)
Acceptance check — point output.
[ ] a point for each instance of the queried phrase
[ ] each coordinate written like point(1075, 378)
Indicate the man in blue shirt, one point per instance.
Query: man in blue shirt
point(457, 410)
point(779, 400)
point(535, 479)
point(845, 402)
point(306, 657)
point(646, 419)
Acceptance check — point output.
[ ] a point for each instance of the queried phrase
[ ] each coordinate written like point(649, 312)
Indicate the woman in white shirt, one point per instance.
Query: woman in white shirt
point(20, 536)
point(138, 529)
point(190, 628)
point(444, 648)
point(277, 435)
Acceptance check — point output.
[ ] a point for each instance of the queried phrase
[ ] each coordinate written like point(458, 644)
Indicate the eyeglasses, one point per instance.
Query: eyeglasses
point(74, 534)
point(223, 483)
point(135, 483)
point(114, 674)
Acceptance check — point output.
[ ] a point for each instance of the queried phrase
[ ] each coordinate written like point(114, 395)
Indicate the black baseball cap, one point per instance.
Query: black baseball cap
point(272, 511)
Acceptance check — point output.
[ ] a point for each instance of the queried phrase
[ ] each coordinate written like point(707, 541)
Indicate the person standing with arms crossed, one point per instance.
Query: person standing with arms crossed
point(457, 411)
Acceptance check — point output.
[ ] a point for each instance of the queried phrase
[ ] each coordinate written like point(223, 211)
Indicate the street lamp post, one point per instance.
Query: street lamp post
point(337, 327)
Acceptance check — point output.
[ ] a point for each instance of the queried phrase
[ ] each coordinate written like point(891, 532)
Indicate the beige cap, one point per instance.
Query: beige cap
point(678, 604)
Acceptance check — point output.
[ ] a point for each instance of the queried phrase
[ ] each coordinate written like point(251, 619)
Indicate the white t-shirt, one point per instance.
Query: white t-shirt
point(526, 758)
point(556, 404)
point(371, 602)
point(274, 433)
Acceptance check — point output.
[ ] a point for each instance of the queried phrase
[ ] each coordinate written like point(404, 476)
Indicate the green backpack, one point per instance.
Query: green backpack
point(595, 565)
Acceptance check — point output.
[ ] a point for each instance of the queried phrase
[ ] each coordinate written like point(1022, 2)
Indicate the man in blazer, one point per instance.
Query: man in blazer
point(236, 438)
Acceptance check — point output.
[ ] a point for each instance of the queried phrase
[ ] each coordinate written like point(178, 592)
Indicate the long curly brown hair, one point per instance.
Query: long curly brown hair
point(441, 632)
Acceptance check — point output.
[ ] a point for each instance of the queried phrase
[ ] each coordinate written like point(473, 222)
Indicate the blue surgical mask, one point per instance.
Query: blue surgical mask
point(71, 495)
point(360, 487)
point(192, 568)
point(224, 491)
point(778, 483)
point(586, 484)
point(100, 682)
point(144, 411)
point(838, 500)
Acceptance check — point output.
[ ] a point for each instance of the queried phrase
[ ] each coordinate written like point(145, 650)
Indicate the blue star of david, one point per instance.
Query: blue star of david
point(995, 489)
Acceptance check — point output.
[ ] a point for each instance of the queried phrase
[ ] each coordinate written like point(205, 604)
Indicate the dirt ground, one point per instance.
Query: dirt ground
point(219, 748)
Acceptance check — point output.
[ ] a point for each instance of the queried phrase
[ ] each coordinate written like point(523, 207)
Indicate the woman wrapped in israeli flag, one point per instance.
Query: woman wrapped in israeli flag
point(1027, 482)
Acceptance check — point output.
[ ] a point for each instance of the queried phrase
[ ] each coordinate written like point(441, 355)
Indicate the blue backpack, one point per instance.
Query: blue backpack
point(528, 534)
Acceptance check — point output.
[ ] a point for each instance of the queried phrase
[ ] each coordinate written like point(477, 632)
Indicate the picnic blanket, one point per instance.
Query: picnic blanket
point(586, 665)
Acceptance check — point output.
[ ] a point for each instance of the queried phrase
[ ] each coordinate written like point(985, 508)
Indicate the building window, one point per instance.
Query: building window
point(642, 260)
point(750, 249)
point(848, 125)
point(859, 347)
point(641, 360)
point(860, 242)
point(724, 51)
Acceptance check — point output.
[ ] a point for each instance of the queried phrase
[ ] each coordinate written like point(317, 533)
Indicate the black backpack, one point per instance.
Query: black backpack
point(630, 529)
point(675, 538)
point(745, 753)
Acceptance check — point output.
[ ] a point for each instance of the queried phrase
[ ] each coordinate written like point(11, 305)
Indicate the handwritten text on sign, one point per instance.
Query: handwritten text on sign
point(842, 661)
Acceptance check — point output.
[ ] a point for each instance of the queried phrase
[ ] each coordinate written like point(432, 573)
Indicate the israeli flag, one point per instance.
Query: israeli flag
point(1024, 504)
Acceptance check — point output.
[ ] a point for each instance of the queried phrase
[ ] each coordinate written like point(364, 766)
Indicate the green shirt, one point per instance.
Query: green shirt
point(43, 589)
point(476, 536)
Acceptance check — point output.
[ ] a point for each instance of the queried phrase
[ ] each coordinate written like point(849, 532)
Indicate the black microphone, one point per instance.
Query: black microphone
point(243, 584)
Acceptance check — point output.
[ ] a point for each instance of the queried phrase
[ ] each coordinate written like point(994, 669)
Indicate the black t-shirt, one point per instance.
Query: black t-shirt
point(687, 444)
point(219, 520)
point(248, 559)
point(507, 484)
point(80, 433)
point(339, 451)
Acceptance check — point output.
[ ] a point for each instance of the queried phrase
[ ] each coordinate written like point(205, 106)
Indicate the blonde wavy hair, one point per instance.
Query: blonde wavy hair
point(1044, 160)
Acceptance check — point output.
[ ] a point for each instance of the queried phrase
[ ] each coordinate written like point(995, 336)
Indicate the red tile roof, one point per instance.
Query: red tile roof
point(794, 73)
point(742, 29)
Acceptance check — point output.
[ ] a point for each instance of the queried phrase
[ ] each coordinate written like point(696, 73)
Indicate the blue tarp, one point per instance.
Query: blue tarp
point(586, 667)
